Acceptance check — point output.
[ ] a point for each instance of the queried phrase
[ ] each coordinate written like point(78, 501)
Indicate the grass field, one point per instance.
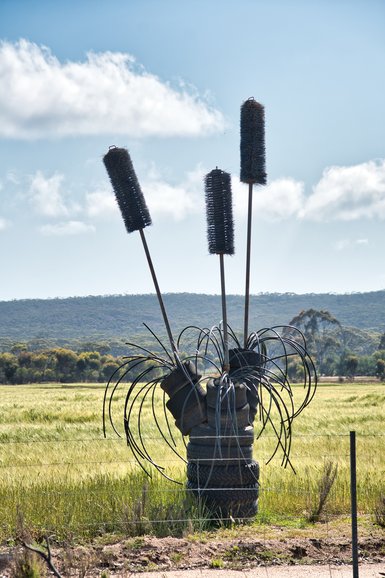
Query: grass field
point(59, 475)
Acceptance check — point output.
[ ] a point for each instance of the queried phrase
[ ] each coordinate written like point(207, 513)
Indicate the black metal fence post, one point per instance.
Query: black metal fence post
point(353, 496)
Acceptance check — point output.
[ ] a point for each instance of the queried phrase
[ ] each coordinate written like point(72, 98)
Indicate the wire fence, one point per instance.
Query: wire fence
point(90, 485)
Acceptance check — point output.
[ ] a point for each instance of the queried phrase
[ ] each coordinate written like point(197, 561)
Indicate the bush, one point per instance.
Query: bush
point(379, 512)
point(27, 565)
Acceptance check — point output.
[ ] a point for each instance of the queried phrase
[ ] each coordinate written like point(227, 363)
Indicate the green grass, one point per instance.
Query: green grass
point(60, 475)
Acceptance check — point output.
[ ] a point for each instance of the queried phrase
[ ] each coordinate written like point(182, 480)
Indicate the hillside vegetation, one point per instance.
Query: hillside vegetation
point(105, 317)
point(84, 338)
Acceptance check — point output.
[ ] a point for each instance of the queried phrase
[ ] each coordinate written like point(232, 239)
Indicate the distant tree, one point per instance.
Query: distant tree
point(23, 375)
point(359, 341)
point(380, 369)
point(382, 342)
point(66, 364)
point(330, 363)
point(109, 367)
point(25, 358)
point(295, 371)
point(322, 332)
point(351, 365)
point(366, 365)
point(8, 368)
point(88, 365)
point(81, 365)
point(18, 347)
point(44, 360)
point(378, 355)
point(93, 359)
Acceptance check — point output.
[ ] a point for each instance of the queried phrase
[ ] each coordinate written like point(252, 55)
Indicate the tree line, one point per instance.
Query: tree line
point(66, 366)
point(335, 349)
point(56, 365)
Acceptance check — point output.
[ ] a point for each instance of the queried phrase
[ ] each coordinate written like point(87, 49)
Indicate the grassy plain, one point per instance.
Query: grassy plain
point(58, 474)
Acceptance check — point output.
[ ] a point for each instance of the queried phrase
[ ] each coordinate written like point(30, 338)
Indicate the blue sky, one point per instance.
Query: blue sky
point(166, 79)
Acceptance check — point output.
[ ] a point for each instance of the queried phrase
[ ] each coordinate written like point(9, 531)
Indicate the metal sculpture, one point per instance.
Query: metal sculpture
point(225, 394)
point(222, 415)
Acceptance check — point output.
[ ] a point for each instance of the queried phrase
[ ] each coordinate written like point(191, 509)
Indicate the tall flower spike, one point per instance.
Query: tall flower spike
point(252, 172)
point(220, 234)
point(127, 189)
point(134, 211)
point(219, 211)
point(253, 142)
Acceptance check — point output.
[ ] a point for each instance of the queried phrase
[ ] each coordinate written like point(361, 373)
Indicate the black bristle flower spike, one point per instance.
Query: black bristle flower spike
point(127, 189)
point(253, 142)
point(220, 225)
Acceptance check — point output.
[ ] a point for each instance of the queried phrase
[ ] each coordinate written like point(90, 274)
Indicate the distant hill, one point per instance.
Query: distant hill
point(106, 317)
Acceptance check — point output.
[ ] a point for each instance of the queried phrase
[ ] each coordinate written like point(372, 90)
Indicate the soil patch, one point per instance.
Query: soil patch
point(238, 549)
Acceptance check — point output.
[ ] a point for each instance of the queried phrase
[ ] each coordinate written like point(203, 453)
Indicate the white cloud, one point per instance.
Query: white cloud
point(350, 243)
point(46, 196)
point(348, 193)
point(163, 198)
point(168, 200)
point(176, 200)
point(107, 93)
point(67, 228)
point(101, 203)
point(343, 193)
point(280, 199)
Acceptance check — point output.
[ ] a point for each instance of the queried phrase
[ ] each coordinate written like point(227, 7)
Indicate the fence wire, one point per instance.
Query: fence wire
point(127, 501)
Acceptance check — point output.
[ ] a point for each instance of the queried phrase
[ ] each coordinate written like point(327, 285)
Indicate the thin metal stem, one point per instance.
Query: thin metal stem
point(226, 364)
point(159, 295)
point(248, 259)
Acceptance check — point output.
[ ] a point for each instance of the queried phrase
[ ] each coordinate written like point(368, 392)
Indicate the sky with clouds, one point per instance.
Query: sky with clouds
point(166, 80)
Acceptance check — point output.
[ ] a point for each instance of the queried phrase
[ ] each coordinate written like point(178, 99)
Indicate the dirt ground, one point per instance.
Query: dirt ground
point(239, 552)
